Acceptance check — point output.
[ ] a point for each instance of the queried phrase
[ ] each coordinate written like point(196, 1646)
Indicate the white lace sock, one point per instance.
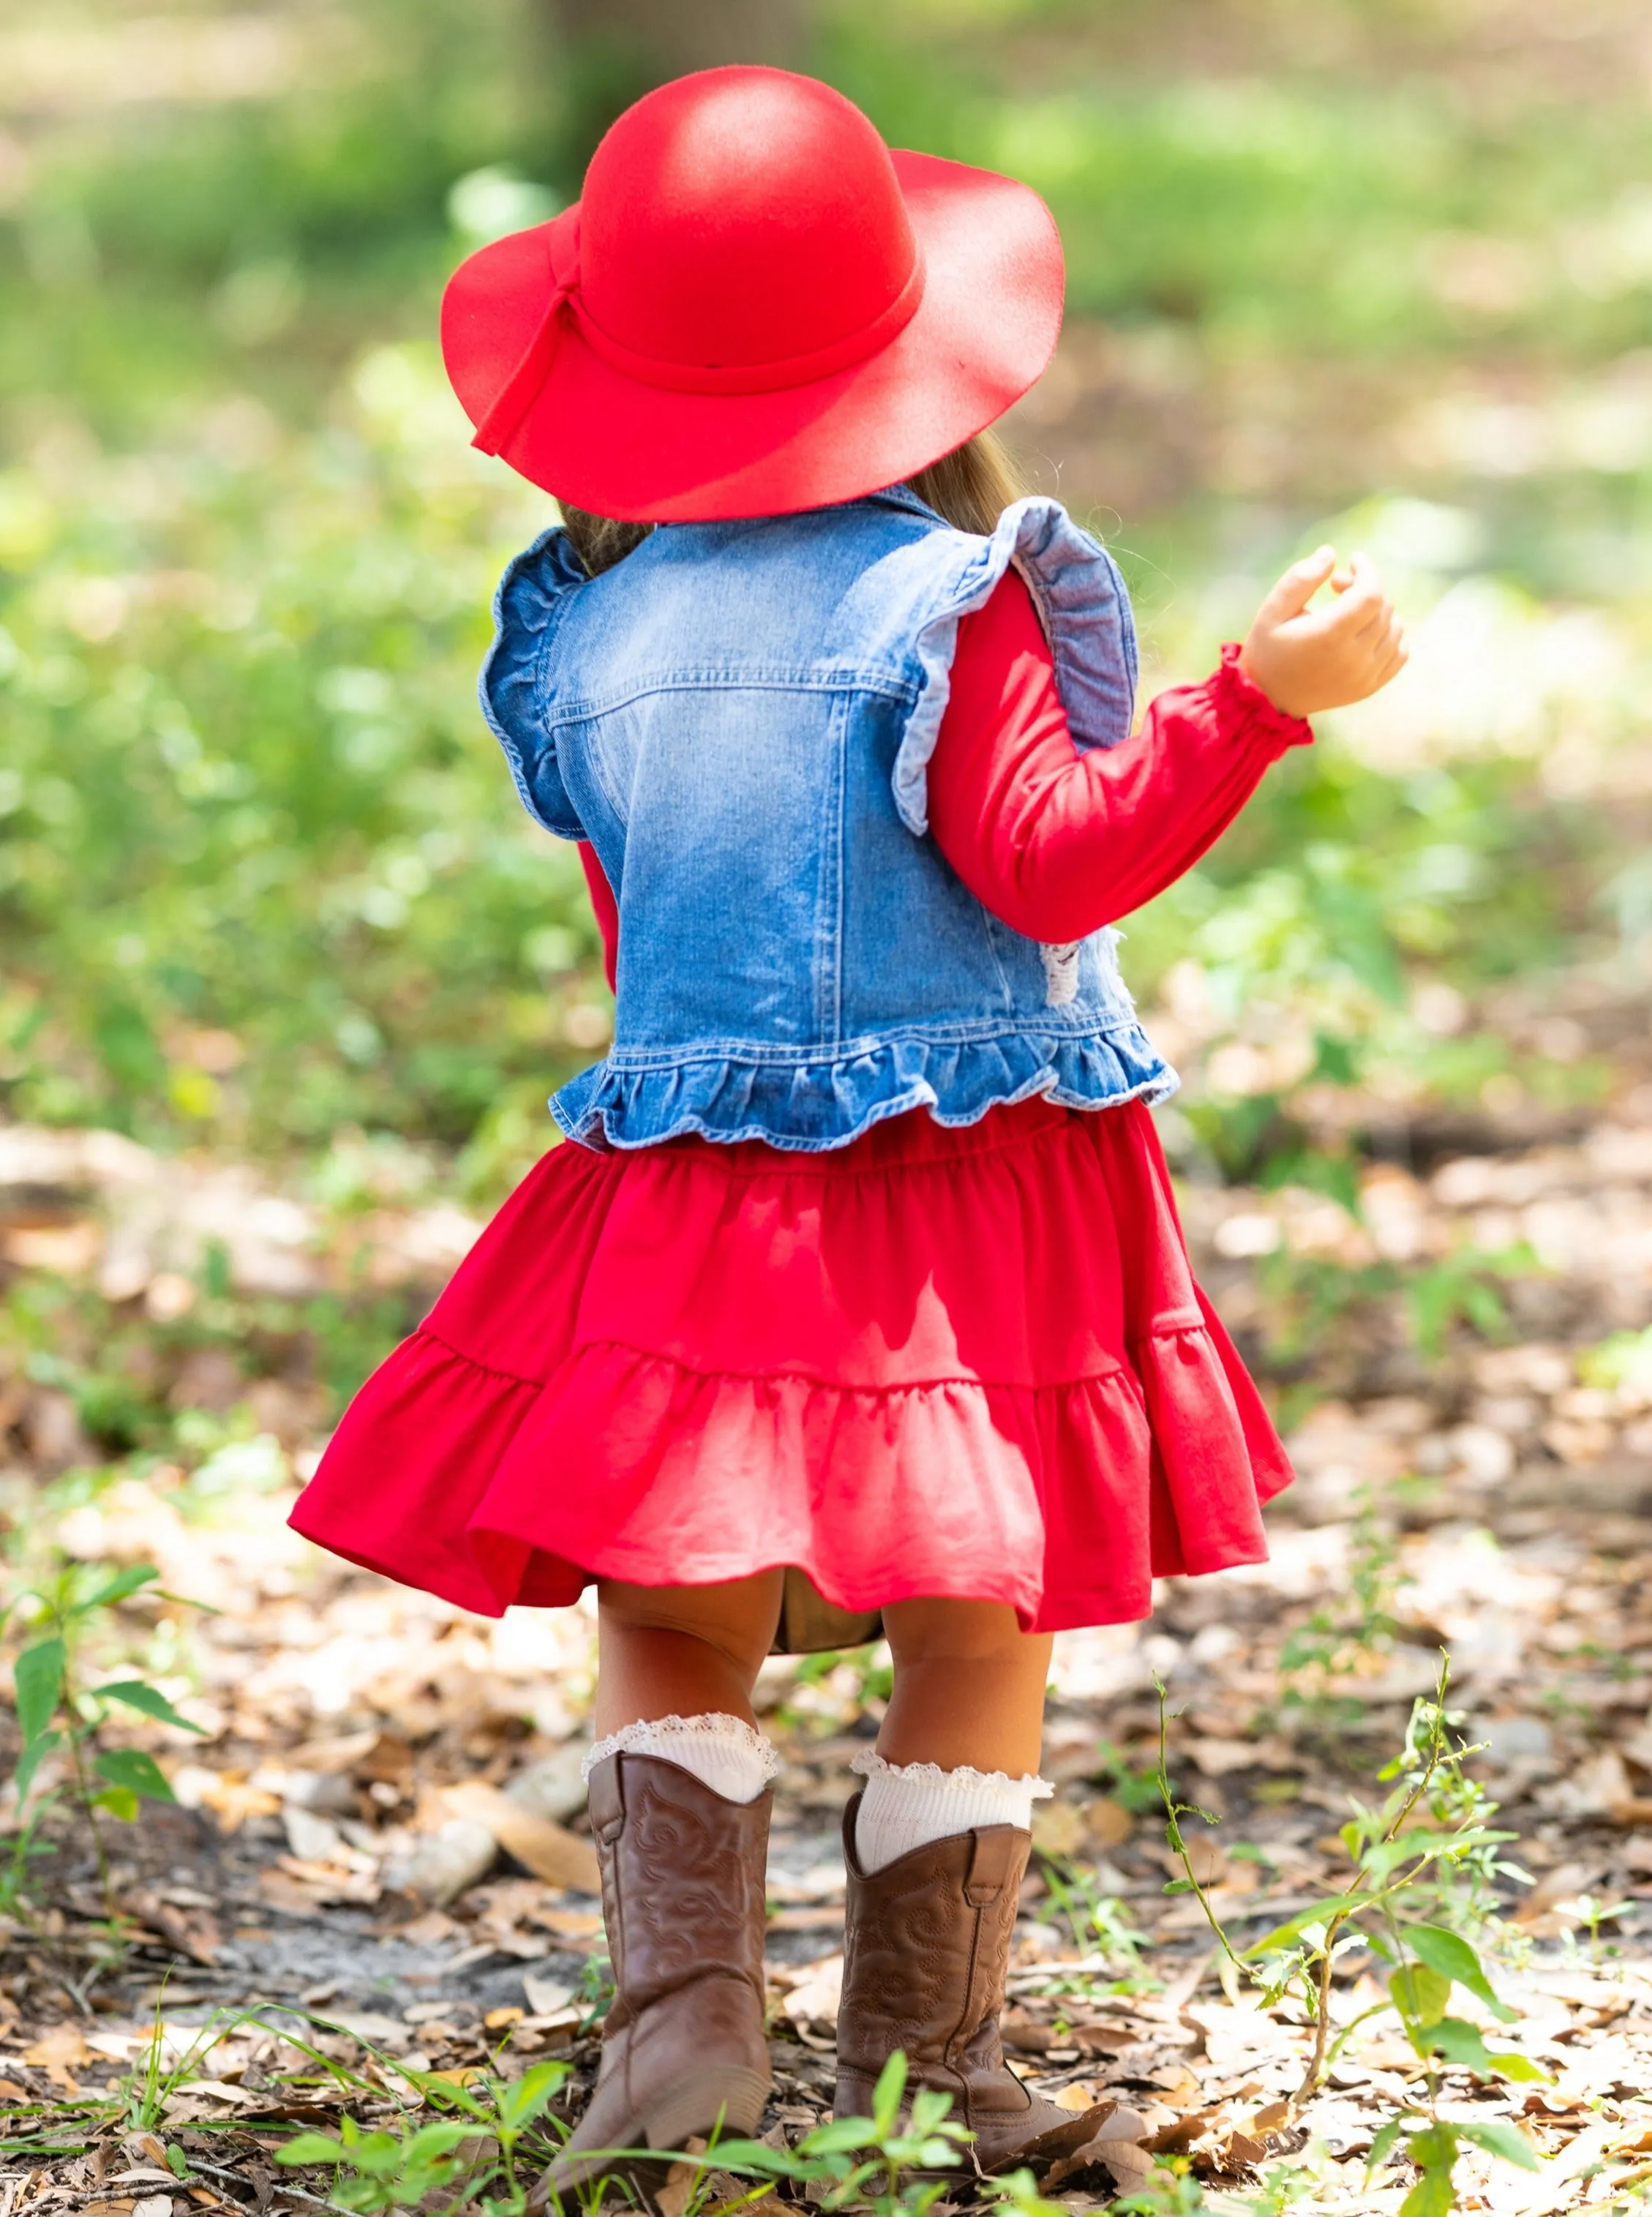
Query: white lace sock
point(732, 1758)
point(907, 1804)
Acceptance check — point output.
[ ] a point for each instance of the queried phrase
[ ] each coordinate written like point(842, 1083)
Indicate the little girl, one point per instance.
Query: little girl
point(861, 1288)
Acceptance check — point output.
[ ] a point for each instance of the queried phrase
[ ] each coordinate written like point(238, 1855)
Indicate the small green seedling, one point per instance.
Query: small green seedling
point(57, 1712)
point(473, 2151)
point(885, 2163)
point(1421, 1867)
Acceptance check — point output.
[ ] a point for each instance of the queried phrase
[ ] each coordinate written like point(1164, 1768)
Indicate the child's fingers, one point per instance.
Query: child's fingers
point(1369, 618)
point(1360, 608)
point(1297, 587)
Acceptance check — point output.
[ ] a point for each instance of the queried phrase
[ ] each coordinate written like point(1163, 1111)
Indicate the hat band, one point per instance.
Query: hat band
point(747, 377)
point(523, 386)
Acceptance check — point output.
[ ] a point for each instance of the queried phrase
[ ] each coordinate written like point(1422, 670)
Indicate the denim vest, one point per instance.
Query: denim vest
point(740, 717)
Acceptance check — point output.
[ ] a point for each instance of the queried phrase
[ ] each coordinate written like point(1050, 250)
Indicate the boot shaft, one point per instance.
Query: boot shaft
point(926, 1959)
point(927, 1947)
point(683, 1879)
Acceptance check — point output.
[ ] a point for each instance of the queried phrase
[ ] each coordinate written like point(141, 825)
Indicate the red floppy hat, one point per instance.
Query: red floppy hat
point(755, 307)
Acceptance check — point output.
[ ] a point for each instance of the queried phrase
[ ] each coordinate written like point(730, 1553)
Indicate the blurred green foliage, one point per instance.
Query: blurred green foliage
point(261, 874)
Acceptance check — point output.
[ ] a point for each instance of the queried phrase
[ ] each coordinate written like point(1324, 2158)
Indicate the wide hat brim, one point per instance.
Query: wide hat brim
point(983, 332)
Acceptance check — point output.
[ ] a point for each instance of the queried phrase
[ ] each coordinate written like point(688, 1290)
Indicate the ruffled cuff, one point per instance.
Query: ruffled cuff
point(1247, 714)
point(960, 1779)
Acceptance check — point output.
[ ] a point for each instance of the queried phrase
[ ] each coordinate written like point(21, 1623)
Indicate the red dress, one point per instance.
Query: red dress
point(935, 1362)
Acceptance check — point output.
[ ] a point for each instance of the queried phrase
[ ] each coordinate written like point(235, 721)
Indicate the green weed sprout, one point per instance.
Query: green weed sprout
point(882, 2162)
point(1422, 1867)
point(1094, 1917)
point(54, 1710)
point(475, 2146)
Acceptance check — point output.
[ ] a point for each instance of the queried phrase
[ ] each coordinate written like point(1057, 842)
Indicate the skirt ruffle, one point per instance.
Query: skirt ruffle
point(969, 1363)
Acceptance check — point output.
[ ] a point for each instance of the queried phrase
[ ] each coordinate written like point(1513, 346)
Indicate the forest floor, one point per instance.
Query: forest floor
point(376, 1860)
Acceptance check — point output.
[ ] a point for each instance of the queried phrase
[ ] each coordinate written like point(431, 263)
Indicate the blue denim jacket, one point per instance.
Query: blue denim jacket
point(740, 717)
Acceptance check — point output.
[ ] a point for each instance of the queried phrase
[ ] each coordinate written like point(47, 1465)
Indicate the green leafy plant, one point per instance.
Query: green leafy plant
point(1307, 1294)
point(1098, 1920)
point(884, 2162)
point(57, 1710)
point(1465, 1287)
point(869, 1677)
point(1135, 1790)
point(381, 2170)
point(1419, 1896)
point(1284, 2187)
point(474, 2148)
point(1168, 2192)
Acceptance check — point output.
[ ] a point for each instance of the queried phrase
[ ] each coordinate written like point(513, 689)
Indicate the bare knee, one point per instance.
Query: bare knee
point(737, 1620)
point(961, 1632)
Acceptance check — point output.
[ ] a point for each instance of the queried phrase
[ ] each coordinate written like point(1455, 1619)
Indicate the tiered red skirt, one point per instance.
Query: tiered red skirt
point(964, 1362)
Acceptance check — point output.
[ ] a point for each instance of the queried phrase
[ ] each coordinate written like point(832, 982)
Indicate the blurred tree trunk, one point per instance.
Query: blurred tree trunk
point(611, 51)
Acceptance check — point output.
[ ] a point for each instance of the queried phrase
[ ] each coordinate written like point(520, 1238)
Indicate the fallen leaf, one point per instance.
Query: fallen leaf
point(197, 1936)
point(220, 2090)
point(1059, 1828)
point(1116, 2140)
point(815, 1991)
point(428, 1931)
point(1128, 2161)
point(61, 2048)
point(1560, 1884)
point(232, 1801)
point(671, 2199)
point(1177, 2137)
point(550, 1850)
point(1109, 1822)
point(570, 1923)
point(1241, 2152)
point(1217, 1758)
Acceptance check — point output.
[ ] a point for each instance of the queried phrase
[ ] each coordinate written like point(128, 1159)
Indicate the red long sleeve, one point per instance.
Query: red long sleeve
point(607, 908)
point(1057, 844)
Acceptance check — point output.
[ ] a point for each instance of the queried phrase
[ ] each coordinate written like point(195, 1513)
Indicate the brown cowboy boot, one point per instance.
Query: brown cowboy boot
point(925, 1956)
point(683, 2047)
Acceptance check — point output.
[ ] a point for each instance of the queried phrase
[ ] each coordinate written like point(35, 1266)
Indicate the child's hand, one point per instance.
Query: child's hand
point(1308, 659)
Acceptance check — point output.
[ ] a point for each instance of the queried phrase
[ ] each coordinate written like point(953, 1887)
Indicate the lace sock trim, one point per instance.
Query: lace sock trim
point(711, 1727)
point(963, 1780)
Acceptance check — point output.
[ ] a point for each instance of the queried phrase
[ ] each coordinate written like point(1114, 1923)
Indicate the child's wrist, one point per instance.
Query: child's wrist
point(1252, 699)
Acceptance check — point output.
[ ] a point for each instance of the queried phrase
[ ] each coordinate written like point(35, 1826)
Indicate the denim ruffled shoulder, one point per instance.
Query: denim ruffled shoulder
point(533, 592)
point(810, 1107)
point(1085, 608)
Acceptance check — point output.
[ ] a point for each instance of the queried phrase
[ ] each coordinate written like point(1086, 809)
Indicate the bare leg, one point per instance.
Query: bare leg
point(682, 1857)
point(682, 1650)
point(934, 1872)
point(969, 1687)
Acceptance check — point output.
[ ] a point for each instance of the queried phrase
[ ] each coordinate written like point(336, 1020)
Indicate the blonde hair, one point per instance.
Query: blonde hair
point(973, 485)
point(970, 487)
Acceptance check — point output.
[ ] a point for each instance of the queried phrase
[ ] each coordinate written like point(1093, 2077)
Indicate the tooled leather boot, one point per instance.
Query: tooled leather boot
point(926, 1957)
point(683, 1902)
